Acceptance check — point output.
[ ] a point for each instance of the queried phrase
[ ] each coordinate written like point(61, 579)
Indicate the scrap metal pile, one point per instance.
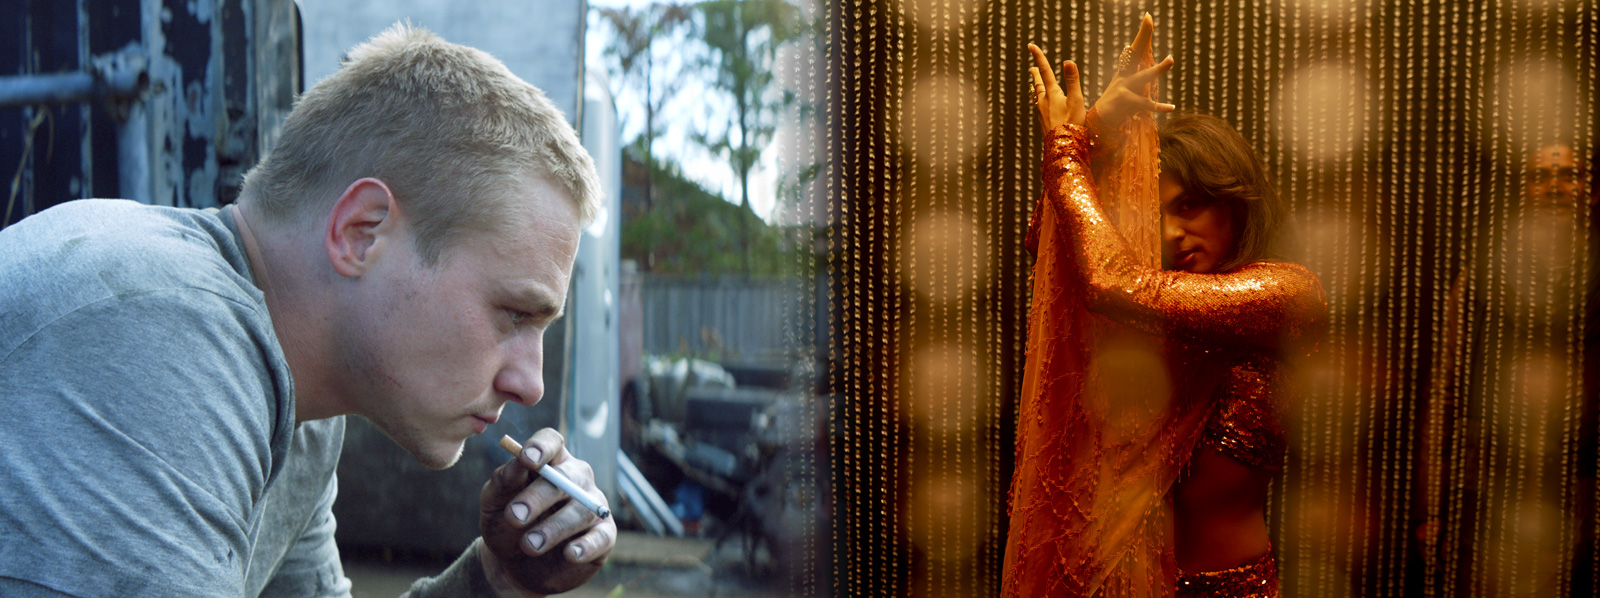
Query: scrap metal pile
point(724, 451)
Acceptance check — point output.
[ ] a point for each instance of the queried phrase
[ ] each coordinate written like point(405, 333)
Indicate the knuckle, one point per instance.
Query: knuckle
point(546, 437)
point(534, 497)
point(559, 525)
point(581, 468)
point(503, 478)
point(548, 440)
point(554, 435)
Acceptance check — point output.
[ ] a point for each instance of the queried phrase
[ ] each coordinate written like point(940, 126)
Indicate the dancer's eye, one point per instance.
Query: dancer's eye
point(1180, 204)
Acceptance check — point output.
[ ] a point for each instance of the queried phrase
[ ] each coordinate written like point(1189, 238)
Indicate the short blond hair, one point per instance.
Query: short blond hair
point(448, 128)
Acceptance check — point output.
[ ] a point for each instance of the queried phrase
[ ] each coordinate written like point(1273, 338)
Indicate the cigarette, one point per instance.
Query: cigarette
point(560, 480)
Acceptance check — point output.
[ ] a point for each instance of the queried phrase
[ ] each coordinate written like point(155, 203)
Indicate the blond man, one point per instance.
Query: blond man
point(175, 380)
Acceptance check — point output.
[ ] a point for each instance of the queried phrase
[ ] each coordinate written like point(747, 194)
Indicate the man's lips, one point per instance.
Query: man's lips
point(482, 422)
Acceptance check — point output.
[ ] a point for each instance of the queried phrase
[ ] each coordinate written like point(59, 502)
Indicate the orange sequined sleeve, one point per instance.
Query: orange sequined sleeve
point(1266, 304)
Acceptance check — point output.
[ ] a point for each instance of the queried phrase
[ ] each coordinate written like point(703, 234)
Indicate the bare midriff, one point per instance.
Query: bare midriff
point(1219, 512)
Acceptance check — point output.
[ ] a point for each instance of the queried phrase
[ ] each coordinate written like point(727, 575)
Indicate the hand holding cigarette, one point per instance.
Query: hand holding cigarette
point(546, 532)
point(559, 479)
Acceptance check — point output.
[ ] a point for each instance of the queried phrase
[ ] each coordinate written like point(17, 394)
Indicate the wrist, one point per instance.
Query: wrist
point(500, 581)
point(1067, 142)
point(1094, 121)
point(1107, 137)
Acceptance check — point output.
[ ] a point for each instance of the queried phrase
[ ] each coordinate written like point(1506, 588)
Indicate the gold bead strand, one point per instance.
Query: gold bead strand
point(1364, 289)
point(1577, 303)
point(1445, 162)
point(1499, 146)
point(1592, 33)
point(841, 539)
point(1381, 344)
point(1466, 376)
point(878, 168)
point(904, 194)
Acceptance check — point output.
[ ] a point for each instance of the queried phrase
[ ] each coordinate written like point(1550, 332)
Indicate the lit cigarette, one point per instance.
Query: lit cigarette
point(560, 480)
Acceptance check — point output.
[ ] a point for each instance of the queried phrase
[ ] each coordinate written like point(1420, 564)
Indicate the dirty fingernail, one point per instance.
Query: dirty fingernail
point(532, 454)
point(520, 512)
point(536, 540)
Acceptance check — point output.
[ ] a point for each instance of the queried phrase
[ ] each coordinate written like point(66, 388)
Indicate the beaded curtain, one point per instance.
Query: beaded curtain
point(1444, 442)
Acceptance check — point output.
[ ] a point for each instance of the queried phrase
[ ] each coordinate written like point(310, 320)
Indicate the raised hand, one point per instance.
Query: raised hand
point(1129, 92)
point(1056, 107)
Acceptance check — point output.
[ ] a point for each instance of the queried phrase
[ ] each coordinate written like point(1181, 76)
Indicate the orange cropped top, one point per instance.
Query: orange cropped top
point(1245, 421)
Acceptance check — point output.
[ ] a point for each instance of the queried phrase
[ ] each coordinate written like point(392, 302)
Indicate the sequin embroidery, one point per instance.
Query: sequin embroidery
point(1257, 579)
point(1245, 422)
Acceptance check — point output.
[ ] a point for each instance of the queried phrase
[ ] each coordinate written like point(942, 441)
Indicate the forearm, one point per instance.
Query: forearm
point(1105, 147)
point(464, 577)
point(1263, 304)
point(1102, 152)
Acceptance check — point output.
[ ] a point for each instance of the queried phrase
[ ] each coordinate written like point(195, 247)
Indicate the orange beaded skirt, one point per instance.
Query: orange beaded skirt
point(1256, 579)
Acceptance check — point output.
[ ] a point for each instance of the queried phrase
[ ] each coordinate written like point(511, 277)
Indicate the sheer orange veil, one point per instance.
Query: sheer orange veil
point(1102, 434)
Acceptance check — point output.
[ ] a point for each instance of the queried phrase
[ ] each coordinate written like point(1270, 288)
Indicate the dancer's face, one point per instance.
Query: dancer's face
point(1553, 178)
point(1197, 233)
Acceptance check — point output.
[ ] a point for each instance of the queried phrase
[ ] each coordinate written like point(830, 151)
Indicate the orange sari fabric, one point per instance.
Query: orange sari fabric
point(1075, 487)
point(1123, 359)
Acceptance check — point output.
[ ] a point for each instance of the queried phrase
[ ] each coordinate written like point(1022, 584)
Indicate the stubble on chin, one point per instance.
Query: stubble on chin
point(433, 453)
point(380, 394)
point(439, 460)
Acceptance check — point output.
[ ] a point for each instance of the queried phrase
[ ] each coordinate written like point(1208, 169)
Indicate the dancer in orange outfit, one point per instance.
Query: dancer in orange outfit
point(1119, 495)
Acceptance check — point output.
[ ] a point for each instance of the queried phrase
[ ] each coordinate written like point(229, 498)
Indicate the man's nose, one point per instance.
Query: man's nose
point(522, 378)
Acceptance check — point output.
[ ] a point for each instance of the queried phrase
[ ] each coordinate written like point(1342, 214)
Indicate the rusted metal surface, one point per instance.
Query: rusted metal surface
point(165, 102)
point(119, 79)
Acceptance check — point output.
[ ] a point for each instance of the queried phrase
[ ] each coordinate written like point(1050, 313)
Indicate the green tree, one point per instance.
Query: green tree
point(742, 38)
point(632, 53)
point(697, 232)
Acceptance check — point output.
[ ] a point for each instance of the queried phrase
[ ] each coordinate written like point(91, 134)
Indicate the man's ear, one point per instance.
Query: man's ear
point(352, 236)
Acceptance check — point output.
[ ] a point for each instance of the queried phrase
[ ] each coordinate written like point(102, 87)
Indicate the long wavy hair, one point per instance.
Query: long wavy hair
point(1213, 162)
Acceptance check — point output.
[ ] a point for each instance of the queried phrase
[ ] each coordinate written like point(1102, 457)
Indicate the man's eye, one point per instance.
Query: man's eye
point(518, 317)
